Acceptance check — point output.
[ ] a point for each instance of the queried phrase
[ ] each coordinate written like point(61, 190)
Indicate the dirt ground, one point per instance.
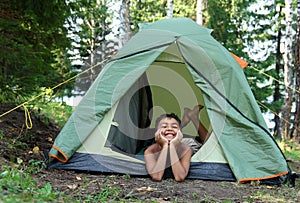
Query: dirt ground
point(18, 144)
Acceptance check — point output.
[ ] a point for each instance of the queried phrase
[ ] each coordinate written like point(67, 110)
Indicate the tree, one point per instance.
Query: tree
point(235, 28)
point(199, 12)
point(34, 42)
point(277, 95)
point(288, 74)
point(89, 28)
point(170, 7)
point(125, 30)
point(252, 31)
point(146, 11)
point(151, 10)
point(296, 123)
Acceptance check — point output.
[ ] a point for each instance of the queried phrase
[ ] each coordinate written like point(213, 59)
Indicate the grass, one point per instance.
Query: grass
point(17, 186)
point(58, 112)
point(291, 149)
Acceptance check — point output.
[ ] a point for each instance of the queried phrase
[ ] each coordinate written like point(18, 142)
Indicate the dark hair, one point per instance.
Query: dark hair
point(168, 115)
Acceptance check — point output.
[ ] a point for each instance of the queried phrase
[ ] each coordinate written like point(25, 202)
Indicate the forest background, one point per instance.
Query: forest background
point(55, 49)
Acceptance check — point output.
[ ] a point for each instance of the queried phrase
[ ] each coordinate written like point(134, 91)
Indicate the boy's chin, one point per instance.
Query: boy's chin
point(169, 140)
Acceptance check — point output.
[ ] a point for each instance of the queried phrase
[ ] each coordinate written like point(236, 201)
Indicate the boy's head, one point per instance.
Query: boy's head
point(170, 115)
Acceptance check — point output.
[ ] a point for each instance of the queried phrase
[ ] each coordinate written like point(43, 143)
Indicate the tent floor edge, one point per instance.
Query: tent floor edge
point(211, 171)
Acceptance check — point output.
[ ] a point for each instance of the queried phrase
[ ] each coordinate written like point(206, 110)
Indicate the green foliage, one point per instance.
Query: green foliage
point(151, 10)
point(146, 11)
point(1, 134)
point(291, 149)
point(126, 176)
point(89, 23)
point(185, 8)
point(226, 18)
point(89, 26)
point(33, 40)
point(18, 186)
point(108, 193)
point(58, 112)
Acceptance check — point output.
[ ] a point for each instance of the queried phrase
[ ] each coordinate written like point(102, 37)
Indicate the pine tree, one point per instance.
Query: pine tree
point(33, 47)
point(89, 27)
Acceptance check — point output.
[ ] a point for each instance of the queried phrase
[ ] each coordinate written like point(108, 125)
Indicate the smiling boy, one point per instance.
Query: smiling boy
point(168, 154)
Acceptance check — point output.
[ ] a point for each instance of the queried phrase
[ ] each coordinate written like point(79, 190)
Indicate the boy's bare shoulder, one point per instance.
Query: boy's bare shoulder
point(184, 147)
point(153, 148)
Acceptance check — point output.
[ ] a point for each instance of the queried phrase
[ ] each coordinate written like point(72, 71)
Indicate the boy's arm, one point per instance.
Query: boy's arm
point(156, 161)
point(180, 165)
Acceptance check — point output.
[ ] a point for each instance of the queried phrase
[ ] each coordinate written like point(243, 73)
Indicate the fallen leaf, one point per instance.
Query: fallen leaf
point(36, 149)
point(72, 187)
point(19, 160)
point(141, 188)
point(150, 189)
point(166, 198)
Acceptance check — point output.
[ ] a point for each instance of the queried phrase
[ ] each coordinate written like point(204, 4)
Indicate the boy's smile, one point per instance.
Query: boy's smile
point(169, 128)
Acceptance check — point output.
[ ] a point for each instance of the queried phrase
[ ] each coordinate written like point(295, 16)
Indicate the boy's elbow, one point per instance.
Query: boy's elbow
point(179, 179)
point(156, 177)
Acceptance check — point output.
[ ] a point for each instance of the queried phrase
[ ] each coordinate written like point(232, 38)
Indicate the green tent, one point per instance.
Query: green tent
point(167, 66)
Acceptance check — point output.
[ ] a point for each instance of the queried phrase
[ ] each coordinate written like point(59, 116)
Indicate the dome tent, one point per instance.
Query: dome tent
point(168, 65)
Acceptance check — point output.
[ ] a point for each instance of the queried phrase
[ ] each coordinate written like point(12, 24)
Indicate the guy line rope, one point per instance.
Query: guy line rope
point(264, 106)
point(28, 118)
point(27, 114)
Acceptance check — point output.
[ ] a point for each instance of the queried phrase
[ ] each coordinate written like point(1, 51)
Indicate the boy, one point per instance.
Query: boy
point(168, 155)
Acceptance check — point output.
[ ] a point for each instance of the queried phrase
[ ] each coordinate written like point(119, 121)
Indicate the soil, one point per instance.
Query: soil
point(26, 146)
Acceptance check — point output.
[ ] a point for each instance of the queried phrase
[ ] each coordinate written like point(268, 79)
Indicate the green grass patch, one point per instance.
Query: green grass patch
point(291, 149)
point(17, 186)
point(58, 112)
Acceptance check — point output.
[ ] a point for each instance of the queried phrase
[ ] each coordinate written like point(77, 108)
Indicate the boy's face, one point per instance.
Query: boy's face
point(168, 128)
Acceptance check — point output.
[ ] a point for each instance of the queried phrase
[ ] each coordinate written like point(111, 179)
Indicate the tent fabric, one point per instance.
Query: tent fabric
point(234, 116)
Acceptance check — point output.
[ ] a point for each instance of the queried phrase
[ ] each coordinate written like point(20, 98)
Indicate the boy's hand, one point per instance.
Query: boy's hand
point(161, 140)
point(177, 139)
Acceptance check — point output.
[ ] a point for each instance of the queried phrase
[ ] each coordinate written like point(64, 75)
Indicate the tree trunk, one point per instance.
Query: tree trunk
point(276, 95)
point(288, 76)
point(296, 126)
point(199, 12)
point(93, 49)
point(125, 31)
point(170, 8)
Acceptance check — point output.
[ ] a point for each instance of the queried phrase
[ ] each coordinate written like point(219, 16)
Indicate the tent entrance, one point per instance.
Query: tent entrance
point(166, 86)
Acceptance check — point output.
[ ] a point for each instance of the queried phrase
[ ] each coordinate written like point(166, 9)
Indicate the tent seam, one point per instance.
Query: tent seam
point(231, 104)
point(223, 96)
point(142, 51)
